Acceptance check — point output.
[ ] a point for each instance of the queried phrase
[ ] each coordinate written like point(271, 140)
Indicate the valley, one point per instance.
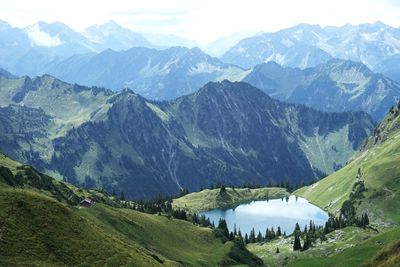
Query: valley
point(203, 133)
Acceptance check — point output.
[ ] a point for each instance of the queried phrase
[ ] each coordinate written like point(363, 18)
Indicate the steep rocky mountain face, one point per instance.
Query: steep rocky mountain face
point(226, 132)
point(338, 85)
point(156, 74)
point(307, 45)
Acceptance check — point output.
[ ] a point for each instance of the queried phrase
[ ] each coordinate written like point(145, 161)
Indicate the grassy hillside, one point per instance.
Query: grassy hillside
point(350, 246)
point(212, 198)
point(39, 225)
point(379, 163)
point(361, 254)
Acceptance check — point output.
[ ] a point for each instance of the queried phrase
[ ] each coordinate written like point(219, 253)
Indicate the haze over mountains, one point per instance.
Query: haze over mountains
point(300, 46)
point(307, 45)
point(98, 137)
point(156, 74)
point(115, 57)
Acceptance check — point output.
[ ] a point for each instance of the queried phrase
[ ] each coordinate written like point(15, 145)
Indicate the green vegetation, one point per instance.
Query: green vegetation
point(41, 225)
point(90, 137)
point(350, 246)
point(387, 257)
point(229, 197)
point(358, 254)
point(377, 166)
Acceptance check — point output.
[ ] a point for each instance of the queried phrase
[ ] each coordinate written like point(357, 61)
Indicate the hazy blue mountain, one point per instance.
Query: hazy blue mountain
point(163, 41)
point(288, 47)
point(29, 50)
point(6, 74)
point(156, 74)
point(218, 47)
point(113, 36)
point(224, 132)
point(366, 43)
point(338, 85)
point(14, 43)
point(390, 67)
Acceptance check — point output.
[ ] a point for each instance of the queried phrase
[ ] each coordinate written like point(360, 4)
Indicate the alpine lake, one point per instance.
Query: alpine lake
point(260, 215)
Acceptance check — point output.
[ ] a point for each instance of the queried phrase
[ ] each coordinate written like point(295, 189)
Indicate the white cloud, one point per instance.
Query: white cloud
point(202, 20)
point(42, 38)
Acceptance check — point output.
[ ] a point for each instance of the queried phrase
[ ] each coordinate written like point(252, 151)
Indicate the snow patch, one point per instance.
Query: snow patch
point(277, 57)
point(204, 67)
point(370, 37)
point(392, 42)
point(287, 42)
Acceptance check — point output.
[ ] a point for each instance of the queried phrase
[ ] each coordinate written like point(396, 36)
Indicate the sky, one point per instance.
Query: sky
point(200, 20)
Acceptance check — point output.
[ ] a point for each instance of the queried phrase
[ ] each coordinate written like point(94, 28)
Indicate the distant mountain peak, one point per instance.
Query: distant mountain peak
point(4, 25)
point(346, 64)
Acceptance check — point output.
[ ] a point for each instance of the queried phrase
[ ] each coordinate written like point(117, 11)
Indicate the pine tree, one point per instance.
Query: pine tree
point(231, 236)
point(240, 234)
point(278, 232)
point(122, 197)
point(259, 237)
point(297, 229)
point(307, 242)
point(297, 243)
point(252, 236)
point(366, 220)
point(277, 250)
point(272, 233)
point(222, 190)
point(224, 227)
point(246, 239)
point(267, 234)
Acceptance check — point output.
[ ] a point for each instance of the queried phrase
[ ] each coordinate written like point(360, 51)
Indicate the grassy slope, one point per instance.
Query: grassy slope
point(175, 240)
point(350, 246)
point(380, 165)
point(360, 254)
point(36, 229)
point(210, 198)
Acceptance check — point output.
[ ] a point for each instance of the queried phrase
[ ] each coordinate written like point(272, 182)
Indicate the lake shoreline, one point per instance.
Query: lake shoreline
point(210, 199)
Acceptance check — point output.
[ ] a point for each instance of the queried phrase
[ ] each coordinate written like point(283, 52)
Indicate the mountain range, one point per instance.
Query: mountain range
point(224, 132)
point(337, 85)
point(156, 74)
point(26, 51)
point(308, 45)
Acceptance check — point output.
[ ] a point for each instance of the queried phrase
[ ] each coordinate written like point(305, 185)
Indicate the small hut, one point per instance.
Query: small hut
point(87, 202)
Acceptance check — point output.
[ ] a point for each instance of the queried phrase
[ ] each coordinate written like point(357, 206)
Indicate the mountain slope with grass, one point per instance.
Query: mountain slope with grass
point(230, 133)
point(377, 166)
point(40, 227)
